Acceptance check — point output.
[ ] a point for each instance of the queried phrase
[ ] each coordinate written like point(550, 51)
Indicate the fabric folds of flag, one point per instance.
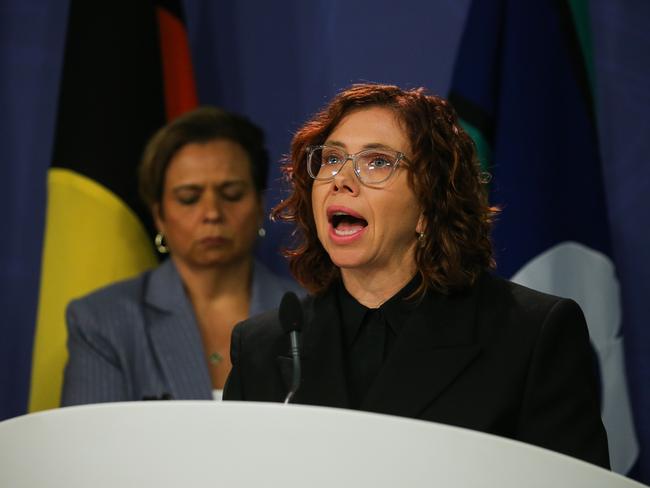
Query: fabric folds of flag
point(523, 87)
point(126, 70)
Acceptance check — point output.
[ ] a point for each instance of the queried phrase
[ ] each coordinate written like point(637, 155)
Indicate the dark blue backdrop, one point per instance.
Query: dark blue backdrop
point(32, 34)
point(279, 62)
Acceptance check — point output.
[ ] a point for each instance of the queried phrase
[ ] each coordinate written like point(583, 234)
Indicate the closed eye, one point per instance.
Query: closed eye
point(188, 195)
point(233, 191)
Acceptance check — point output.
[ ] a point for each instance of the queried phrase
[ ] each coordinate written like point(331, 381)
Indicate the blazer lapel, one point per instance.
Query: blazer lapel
point(174, 335)
point(432, 350)
point(323, 369)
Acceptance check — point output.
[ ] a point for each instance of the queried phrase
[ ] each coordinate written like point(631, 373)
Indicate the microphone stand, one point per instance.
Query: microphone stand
point(295, 354)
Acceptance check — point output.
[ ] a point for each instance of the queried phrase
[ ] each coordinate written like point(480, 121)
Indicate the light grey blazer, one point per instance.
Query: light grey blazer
point(139, 339)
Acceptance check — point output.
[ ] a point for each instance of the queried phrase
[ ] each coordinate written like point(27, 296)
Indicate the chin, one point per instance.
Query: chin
point(214, 259)
point(347, 260)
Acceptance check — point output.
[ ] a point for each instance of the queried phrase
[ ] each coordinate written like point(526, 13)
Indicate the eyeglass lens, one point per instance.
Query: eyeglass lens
point(373, 165)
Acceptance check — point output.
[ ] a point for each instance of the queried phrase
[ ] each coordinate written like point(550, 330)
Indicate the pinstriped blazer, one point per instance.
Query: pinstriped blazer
point(139, 339)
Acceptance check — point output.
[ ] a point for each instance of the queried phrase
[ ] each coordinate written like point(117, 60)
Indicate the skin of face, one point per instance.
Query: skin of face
point(210, 211)
point(386, 246)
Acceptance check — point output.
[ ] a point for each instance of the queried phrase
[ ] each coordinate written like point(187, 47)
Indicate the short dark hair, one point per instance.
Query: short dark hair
point(444, 174)
point(202, 125)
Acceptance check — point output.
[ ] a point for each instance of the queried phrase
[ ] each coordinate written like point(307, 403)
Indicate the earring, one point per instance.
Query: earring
point(421, 241)
point(261, 232)
point(160, 244)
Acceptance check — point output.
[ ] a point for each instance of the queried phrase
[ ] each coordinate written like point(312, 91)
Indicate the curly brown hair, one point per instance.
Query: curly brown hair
point(444, 174)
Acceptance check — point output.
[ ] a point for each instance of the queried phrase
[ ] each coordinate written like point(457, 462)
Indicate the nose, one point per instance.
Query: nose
point(212, 209)
point(345, 180)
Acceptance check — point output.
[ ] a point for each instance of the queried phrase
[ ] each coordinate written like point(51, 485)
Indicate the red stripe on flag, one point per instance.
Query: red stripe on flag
point(178, 75)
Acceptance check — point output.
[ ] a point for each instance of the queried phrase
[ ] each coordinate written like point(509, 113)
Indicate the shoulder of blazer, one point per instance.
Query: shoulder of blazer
point(263, 332)
point(110, 304)
point(504, 293)
point(129, 290)
point(503, 304)
point(495, 287)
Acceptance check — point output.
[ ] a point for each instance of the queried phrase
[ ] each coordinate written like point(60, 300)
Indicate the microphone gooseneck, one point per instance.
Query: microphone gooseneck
point(291, 320)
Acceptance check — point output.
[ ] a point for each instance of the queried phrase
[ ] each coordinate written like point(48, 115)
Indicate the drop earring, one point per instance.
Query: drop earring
point(159, 241)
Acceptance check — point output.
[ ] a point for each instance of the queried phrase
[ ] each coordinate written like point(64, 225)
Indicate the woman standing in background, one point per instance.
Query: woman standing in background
point(166, 333)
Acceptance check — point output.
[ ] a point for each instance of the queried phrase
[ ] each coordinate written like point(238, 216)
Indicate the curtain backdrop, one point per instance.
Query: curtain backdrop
point(279, 62)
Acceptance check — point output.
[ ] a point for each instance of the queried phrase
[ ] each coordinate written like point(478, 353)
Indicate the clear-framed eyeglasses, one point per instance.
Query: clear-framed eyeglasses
point(372, 166)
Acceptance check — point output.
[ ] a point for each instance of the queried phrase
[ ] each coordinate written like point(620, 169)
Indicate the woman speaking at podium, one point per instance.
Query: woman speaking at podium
point(404, 316)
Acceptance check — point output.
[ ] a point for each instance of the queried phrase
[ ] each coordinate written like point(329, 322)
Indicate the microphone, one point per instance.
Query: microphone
point(291, 320)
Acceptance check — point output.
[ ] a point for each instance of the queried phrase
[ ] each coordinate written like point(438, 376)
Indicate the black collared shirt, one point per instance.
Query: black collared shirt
point(369, 335)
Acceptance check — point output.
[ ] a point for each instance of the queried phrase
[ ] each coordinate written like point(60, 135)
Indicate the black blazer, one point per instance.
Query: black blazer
point(499, 358)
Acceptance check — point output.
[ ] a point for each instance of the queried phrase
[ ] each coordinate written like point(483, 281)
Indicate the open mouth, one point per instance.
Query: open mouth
point(345, 222)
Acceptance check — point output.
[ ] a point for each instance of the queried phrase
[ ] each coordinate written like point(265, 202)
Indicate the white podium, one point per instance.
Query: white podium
point(232, 444)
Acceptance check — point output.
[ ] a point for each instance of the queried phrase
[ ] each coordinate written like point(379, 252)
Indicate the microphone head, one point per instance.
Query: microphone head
point(290, 313)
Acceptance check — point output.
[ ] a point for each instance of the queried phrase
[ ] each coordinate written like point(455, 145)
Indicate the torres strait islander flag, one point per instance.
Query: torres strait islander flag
point(126, 71)
point(523, 88)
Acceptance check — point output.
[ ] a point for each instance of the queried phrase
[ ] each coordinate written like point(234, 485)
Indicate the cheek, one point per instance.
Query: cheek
point(180, 226)
point(398, 215)
point(317, 198)
point(176, 217)
point(178, 231)
point(321, 227)
point(246, 216)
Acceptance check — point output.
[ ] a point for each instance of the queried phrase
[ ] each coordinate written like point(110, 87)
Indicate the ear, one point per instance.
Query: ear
point(421, 226)
point(156, 213)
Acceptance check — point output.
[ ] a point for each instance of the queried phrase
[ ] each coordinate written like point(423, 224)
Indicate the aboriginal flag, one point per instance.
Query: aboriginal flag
point(126, 71)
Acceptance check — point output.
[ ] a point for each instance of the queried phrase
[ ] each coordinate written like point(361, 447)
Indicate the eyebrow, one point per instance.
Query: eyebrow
point(199, 186)
point(189, 186)
point(372, 145)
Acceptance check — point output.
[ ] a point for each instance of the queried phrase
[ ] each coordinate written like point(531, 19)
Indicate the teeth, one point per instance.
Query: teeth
point(347, 232)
